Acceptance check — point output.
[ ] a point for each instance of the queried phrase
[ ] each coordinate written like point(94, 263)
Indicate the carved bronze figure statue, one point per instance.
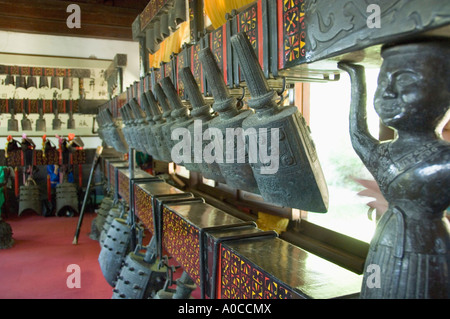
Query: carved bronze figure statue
point(411, 243)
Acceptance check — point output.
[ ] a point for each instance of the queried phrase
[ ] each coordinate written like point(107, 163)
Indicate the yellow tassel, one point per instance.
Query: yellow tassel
point(271, 222)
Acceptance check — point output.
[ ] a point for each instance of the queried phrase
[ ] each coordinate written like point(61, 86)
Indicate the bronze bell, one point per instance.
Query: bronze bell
point(26, 122)
point(164, 25)
point(55, 82)
point(126, 127)
point(43, 82)
point(146, 124)
point(21, 82)
point(141, 122)
point(71, 121)
point(151, 141)
point(29, 198)
point(151, 43)
point(169, 121)
point(67, 83)
point(182, 120)
point(66, 199)
point(171, 22)
point(179, 11)
point(115, 133)
point(200, 111)
point(31, 82)
point(132, 123)
point(13, 124)
point(291, 175)
point(156, 129)
point(9, 80)
point(40, 122)
point(236, 170)
point(157, 31)
point(56, 124)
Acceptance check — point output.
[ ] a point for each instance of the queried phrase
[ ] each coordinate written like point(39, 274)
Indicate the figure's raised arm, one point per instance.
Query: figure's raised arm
point(363, 142)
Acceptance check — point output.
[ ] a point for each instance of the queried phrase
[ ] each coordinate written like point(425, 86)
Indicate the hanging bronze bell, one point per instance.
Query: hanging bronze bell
point(66, 199)
point(164, 25)
point(29, 198)
point(26, 122)
point(31, 82)
point(117, 211)
point(40, 122)
point(201, 111)
point(171, 23)
point(165, 127)
point(233, 162)
point(140, 276)
point(133, 124)
point(9, 80)
point(180, 13)
point(180, 114)
point(151, 142)
point(151, 43)
point(43, 82)
point(55, 83)
point(156, 129)
point(291, 175)
point(71, 121)
point(56, 124)
point(157, 31)
point(141, 122)
point(67, 83)
point(21, 82)
point(13, 124)
point(126, 127)
point(115, 249)
point(115, 133)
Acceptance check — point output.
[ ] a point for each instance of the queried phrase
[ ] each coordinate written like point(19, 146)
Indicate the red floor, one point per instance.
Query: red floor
point(36, 266)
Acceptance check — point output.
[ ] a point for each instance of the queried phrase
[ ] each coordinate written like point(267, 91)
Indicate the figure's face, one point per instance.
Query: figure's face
point(410, 93)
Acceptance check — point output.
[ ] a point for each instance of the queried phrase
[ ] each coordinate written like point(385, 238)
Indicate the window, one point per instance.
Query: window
point(329, 114)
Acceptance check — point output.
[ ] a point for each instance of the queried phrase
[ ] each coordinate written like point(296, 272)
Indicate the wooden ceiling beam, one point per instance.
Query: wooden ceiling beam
point(49, 17)
point(50, 27)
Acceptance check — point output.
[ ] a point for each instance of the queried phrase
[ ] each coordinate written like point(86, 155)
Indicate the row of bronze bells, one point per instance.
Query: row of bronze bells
point(29, 198)
point(134, 274)
point(299, 181)
point(66, 199)
point(165, 23)
point(32, 81)
point(41, 126)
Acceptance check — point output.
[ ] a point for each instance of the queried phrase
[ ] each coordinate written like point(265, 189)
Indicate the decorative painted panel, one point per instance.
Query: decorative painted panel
point(218, 45)
point(143, 207)
point(124, 185)
point(292, 32)
point(196, 66)
point(182, 240)
point(181, 63)
point(243, 280)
